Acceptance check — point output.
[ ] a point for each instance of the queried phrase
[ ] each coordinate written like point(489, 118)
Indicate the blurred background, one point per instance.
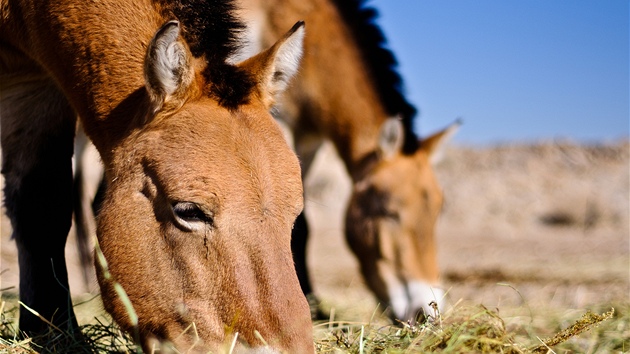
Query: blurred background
point(536, 181)
point(514, 70)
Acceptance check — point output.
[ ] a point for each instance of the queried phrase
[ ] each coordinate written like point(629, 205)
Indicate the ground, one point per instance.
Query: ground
point(525, 228)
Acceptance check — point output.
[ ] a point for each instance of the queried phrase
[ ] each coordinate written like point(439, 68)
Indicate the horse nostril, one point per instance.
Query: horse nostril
point(420, 317)
point(413, 318)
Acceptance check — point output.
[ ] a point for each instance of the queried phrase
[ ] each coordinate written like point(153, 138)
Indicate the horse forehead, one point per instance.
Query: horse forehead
point(230, 154)
point(208, 128)
point(216, 150)
point(404, 172)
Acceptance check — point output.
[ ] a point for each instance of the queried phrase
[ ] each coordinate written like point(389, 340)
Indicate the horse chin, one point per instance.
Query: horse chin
point(152, 344)
point(415, 302)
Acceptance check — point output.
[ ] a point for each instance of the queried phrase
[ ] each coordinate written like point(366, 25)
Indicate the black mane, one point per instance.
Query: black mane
point(381, 63)
point(212, 30)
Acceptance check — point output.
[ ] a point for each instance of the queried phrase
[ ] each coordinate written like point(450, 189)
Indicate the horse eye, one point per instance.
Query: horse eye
point(187, 213)
point(392, 215)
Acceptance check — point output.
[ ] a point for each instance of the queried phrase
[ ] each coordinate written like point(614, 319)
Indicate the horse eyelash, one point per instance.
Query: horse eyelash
point(190, 212)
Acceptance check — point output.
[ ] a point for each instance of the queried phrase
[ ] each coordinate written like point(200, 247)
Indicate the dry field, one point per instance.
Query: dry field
point(528, 230)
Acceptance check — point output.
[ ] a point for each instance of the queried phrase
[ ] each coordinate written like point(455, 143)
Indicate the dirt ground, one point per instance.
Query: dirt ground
point(524, 227)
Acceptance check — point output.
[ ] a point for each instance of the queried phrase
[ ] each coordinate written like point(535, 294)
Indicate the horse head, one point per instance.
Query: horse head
point(390, 223)
point(202, 195)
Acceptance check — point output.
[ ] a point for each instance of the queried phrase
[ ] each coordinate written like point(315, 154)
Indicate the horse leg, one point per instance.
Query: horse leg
point(299, 238)
point(307, 146)
point(88, 178)
point(37, 141)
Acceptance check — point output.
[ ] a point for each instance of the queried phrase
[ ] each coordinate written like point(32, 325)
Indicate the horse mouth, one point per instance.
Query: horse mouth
point(415, 303)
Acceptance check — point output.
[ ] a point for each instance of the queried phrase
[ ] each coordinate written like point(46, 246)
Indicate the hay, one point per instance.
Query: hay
point(99, 337)
point(472, 329)
point(461, 330)
point(585, 323)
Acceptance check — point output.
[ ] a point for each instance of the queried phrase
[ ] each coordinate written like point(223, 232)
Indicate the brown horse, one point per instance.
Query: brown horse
point(202, 188)
point(347, 91)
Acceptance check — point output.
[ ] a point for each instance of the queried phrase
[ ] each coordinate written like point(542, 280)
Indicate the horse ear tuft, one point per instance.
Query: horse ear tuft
point(167, 67)
point(391, 137)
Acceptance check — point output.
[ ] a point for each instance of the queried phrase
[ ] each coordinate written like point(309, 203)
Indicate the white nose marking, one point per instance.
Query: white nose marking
point(422, 294)
point(407, 300)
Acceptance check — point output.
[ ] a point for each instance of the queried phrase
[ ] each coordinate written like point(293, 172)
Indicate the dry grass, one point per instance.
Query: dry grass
point(100, 336)
point(462, 329)
point(477, 329)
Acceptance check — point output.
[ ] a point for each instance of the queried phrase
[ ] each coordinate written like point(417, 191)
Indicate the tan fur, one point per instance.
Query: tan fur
point(233, 274)
point(334, 97)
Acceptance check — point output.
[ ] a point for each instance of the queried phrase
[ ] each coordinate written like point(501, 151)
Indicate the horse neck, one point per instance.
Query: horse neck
point(334, 90)
point(350, 116)
point(95, 56)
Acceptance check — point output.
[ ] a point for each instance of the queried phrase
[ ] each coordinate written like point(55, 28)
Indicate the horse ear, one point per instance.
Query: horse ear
point(434, 145)
point(167, 66)
point(391, 137)
point(274, 67)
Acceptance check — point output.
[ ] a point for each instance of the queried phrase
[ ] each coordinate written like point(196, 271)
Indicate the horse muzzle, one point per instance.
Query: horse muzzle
point(415, 302)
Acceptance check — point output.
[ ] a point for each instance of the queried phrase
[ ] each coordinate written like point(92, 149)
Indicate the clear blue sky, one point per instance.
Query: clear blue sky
point(517, 70)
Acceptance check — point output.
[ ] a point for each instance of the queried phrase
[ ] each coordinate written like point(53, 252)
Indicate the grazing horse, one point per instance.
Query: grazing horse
point(202, 187)
point(347, 91)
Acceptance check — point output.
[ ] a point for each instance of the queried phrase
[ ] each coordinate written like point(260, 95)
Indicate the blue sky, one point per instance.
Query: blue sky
point(525, 70)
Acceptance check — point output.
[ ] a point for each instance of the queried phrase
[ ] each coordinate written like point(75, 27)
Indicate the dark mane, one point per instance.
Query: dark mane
point(212, 30)
point(381, 63)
